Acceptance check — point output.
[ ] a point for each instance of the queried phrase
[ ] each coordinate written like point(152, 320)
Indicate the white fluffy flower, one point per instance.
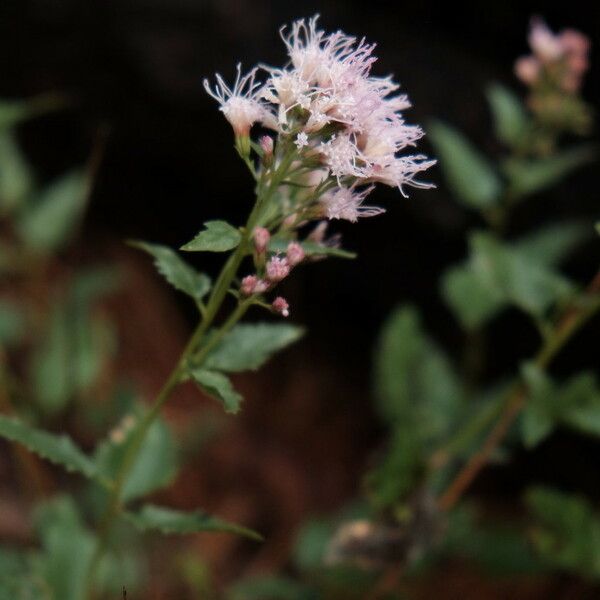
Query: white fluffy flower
point(346, 203)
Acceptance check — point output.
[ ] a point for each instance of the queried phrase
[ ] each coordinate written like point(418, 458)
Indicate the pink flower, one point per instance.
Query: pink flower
point(261, 239)
point(294, 253)
point(281, 306)
point(251, 284)
point(277, 269)
point(545, 45)
point(239, 104)
point(527, 69)
point(345, 203)
point(267, 144)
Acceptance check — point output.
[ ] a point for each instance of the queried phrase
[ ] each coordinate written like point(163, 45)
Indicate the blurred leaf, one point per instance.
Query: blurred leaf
point(167, 521)
point(17, 582)
point(311, 544)
point(59, 450)
point(16, 179)
point(567, 536)
point(249, 345)
point(468, 173)
point(218, 386)
point(310, 248)
point(271, 588)
point(156, 463)
point(538, 420)
point(510, 117)
point(466, 294)
point(176, 271)
point(12, 323)
point(217, 236)
point(13, 112)
point(414, 381)
point(499, 548)
point(529, 176)
point(48, 222)
point(551, 244)
point(68, 549)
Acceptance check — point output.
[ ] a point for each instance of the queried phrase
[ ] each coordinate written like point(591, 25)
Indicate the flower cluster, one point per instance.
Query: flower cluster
point(338, 130)
point(560, 59)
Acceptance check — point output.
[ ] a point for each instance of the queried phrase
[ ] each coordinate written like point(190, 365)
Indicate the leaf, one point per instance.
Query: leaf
point(218, 386)
point(529, 176)
point(248, 346)
point(12, 324)
point(279, 245)
point(551, 244)
point(68, 549)
point(16, 179)
point(167, 521)
point(466, 294)
point(47, 224)
point(510, 118)
point(17, 581)
point(469, 175)
point(414, 382)
point(156, 463)
point(271, 588)
point(538, 419)
point(13, 112)
point(176, 271)
point(567, 534)
point(217, 236)
point(59, 450)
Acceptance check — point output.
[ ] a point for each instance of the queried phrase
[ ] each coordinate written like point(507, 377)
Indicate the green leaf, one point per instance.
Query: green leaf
point(217, 236)
point(156, 463)
point(567, 533)
point(13, 112)
point(12, 324)
point(16, 179)
point(551, 244)
point(47, 223)
point(68, 549)
point(218, 386)
point(510, 117)
point(469, 175)
point(415, 383)
point(310, 248)
point(176, 271)
point(466, 294)
point(529, 176)
point(57, 449)
point(17, 581)
point(271, 588)
point(167, 521)
point(248, 346)
point(538, 419)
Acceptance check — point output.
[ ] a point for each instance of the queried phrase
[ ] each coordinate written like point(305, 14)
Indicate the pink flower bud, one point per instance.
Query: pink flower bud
point(248, 285)
point(261, 239)
point(527, 69)
point(295, 254)
point(266, 143)
point(277, 269)
point(281, 306)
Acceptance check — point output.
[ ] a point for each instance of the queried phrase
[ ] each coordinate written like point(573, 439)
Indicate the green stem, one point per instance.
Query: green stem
point(218, 294)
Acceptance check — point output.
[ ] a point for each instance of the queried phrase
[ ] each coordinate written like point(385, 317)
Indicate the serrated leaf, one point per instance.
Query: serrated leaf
point(156, 463)
point(176, 271)
point(279, 245)
point(57, 449)
point(48, 222)
point(510, 118)
point(16, 179)
point(167, 520)
point(551, 244)
point(529, 176)
point(68, 549)
point(218, 386)
point(249, 345)
point(468, 173)
point(217, 236)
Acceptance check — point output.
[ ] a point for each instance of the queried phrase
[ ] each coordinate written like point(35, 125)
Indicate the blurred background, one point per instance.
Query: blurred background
point(132, 71)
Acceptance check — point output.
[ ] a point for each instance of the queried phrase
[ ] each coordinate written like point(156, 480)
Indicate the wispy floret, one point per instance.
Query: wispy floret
point(345, 203)
point(239, 103)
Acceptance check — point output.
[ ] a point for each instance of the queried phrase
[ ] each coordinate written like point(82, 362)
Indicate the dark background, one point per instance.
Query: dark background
point(136, 67)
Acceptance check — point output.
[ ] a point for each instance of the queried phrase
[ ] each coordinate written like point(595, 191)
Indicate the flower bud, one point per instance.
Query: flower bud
point(281, 306)
point(261, 239)
point(295, 254)
point(251, 284)
point(527, 69)
point(277, 269)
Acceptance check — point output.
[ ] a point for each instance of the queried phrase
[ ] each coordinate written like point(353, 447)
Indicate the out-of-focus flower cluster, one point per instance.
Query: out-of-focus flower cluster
point(554, 73)
point(338, 131)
